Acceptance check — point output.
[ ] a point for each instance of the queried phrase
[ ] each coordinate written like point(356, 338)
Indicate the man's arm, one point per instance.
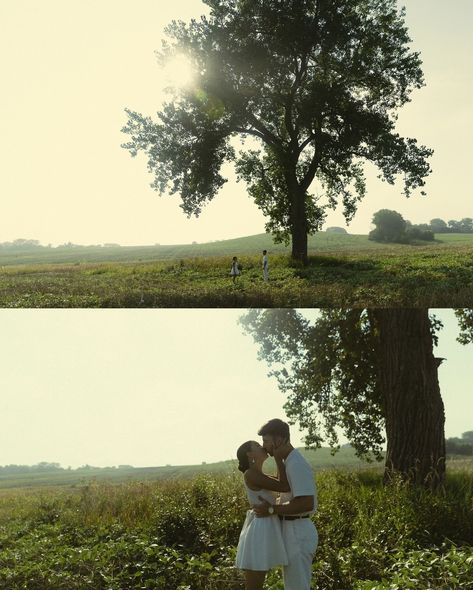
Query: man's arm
point(298, 505)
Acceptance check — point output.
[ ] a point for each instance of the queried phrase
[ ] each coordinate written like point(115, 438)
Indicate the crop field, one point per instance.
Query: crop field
point(181, 534)
point(343, 270)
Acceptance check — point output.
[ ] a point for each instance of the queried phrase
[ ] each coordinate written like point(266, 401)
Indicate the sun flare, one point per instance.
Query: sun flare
point(178, 72)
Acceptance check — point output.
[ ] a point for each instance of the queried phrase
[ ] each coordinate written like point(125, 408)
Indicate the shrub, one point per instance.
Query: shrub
point(390, 226)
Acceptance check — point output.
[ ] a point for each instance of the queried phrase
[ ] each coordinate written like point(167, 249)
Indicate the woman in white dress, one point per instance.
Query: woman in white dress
point(235, 270)
point(261, 545)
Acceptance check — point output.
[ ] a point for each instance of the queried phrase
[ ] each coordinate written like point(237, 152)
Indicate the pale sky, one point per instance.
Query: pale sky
point(69, 69)
point(154, 387)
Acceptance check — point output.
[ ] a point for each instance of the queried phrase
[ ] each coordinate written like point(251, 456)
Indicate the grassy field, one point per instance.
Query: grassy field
point(319, 459)
point(181, 534)
point(344, 270)
point(319, 243)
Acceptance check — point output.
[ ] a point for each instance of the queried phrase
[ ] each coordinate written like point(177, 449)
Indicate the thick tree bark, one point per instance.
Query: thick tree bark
point(414, 409)
point(298, 226)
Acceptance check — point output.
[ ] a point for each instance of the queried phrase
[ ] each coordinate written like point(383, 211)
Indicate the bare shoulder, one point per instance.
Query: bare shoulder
point(251, 479)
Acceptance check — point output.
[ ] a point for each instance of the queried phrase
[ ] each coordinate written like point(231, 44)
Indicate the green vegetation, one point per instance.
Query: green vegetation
point(392, 227)
point(23, 476)
point(343, 271)
point(464, 226)
point(182, 534)
point(460, 446)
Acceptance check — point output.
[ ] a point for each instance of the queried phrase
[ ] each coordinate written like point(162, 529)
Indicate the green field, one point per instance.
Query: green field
point(344, 270)
point(319, 459)
point(181, 533)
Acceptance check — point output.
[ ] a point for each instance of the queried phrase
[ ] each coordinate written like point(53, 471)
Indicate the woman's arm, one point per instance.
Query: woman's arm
point(260, 481)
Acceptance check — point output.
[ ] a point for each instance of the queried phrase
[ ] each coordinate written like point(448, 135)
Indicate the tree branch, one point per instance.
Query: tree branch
point(299, 75)
point(314, 164)
point(311, 170)
point(253, 132)
point(266, 134)
point(306, 142)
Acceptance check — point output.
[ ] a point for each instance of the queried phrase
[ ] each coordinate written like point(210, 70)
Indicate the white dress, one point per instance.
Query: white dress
point(261, 545)
point(235, 271)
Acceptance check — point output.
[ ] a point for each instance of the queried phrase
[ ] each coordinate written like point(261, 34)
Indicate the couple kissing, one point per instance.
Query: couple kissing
point(278, 530)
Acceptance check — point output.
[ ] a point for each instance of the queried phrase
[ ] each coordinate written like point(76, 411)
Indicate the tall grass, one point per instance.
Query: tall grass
point(182, 534)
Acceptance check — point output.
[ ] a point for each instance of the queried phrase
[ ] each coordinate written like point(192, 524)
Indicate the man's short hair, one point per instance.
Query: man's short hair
point(275, 427)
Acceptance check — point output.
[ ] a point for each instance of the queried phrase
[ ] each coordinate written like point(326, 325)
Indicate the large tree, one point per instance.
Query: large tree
point(371, 373)
point(315, 83)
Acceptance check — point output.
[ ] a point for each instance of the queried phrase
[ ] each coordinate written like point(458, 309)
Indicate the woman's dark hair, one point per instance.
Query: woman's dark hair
point(275, 427)
point(243, 461)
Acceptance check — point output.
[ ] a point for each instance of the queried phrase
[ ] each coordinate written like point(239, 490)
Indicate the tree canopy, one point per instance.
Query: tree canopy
point(315, 84)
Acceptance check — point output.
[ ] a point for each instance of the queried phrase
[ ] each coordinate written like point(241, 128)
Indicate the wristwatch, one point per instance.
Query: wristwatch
point(271, 509)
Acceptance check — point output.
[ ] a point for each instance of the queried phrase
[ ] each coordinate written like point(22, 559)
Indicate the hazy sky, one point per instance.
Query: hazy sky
point(153, 387)
point(70, 67)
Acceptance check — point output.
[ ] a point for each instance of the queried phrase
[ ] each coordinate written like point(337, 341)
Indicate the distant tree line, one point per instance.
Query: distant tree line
point(22, 244)
point(464, 226)
point(43, 466)
point(460, 446)
point(390, 226)
point(49, 467)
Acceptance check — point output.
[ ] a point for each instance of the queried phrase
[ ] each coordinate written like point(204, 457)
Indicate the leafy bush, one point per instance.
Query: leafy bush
point(446, 567)
point(415, 232)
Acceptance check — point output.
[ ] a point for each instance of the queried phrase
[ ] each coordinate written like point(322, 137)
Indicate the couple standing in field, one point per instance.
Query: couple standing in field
point(236, 268)
point(278, 531)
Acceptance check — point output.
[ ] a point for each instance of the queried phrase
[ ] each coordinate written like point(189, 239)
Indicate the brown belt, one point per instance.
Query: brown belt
point(283, 517)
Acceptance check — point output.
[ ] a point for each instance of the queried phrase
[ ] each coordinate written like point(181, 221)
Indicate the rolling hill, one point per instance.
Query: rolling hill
point(250, 245)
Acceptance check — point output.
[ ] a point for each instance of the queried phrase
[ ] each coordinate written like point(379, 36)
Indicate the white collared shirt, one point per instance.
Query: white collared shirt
point(301, 479)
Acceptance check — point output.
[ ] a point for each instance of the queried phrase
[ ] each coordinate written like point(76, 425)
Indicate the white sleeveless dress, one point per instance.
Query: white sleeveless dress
point(261, 546)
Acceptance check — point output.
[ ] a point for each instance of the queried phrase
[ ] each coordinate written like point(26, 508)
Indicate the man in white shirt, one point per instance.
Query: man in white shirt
point(265, 265)
point(294, 508)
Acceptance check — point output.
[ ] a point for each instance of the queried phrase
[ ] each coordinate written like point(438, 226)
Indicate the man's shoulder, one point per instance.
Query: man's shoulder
point(301, 475)
point(297, 457)
point(296, 454)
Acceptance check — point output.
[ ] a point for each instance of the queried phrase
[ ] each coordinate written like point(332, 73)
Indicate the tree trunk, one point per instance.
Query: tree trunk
point(414, 409)
point(298, 226)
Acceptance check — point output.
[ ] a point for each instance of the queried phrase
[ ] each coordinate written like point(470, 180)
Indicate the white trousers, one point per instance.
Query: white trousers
point(301, 539)
point(265, 273)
